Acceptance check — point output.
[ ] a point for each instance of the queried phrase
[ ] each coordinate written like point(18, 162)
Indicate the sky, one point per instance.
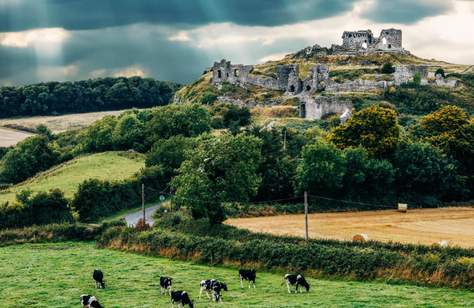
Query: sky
point(46, 40)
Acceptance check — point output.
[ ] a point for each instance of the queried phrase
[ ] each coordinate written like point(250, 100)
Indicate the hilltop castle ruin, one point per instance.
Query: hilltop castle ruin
point(287, 77)
point(390, 40)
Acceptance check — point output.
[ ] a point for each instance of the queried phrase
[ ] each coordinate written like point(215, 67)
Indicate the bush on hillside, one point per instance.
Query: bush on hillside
point(188, 120)
point(387, 68)
point(95, 199)
point(39, 209)
point(28, 158)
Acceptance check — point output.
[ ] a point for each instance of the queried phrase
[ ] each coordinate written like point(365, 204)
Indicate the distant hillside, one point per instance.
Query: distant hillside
point(103, 94)
point(67, 177)
point(359, 71)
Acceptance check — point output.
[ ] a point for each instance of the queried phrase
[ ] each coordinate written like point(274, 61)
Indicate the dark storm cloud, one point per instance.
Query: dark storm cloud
point(406, 11)
point(17, 15)
point(108, 51)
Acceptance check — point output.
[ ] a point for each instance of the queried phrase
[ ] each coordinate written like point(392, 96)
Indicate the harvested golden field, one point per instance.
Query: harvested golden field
point(420, 226)
point(9, 137)
point(61, 123)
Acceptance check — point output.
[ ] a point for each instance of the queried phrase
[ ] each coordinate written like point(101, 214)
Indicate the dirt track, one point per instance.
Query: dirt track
point(425, 226)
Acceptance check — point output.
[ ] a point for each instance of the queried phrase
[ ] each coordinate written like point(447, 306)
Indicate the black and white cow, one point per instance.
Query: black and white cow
point(296, 280)
point(247, 274)
point(165, 284)
point(214, 288)
point(98, 277)
point(89, 301)
point(181, 298)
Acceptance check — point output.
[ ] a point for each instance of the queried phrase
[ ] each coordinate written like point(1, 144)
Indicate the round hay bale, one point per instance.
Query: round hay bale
point(402, 207)
point(443, 243)
point(360, 238)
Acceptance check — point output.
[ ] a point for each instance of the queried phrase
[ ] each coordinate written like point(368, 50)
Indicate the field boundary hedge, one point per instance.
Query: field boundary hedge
point(315, 259)
point(54, 233)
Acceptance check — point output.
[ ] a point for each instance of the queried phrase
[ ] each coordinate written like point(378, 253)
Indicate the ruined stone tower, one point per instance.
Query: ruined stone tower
point(361, 39)
point(390, 40)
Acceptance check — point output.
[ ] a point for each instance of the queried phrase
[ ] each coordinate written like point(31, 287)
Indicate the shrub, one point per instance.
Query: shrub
point(387, 68)
point(40, 209)
point(440, 71)
point(95, 199)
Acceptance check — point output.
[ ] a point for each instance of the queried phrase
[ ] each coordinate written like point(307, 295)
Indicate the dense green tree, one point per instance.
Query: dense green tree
point(170, 153)
point(321, 169)
point(424, 170)
point(230, 116)
point(128, 132)
point(188, 120)
point(220, 169)
point(375, 128)
point(277, 168)
point(367, 178)
point(451, 130)
point(28, 158)
point(99, 136)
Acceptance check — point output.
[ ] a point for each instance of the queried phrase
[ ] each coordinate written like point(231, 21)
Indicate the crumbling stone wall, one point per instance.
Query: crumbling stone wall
point(315, 108)
point(389, 40)
point(361, 39)
point(405, 73)
point(287, 79)
point(359, 85)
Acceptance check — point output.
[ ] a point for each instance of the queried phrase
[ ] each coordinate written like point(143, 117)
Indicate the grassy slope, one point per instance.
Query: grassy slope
point(68, 176)
point(55, 275)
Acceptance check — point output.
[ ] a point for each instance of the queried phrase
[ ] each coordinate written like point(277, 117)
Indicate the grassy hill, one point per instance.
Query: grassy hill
point(345, 68)
point(60, 273)
point(68, 176)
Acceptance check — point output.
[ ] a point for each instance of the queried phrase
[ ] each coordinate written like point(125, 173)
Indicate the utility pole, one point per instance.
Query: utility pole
point(306, 237)
point(284, 139)
point(143, 203)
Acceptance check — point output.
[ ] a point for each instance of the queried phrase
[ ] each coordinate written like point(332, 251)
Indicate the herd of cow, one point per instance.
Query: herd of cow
point(212, 287)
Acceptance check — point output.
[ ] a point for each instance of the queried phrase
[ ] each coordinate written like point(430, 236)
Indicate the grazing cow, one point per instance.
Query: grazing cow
point(165, 284)
point(181, 298)
point(89, 301)
point(249, 275)
point(98, 278)
point(297, 281)
point(213, 286)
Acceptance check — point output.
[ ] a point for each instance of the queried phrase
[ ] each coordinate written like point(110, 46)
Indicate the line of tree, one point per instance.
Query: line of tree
point(369, 158)
point(101, 94)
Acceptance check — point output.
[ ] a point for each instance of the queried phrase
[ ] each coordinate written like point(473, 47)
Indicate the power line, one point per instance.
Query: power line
point(352, 202)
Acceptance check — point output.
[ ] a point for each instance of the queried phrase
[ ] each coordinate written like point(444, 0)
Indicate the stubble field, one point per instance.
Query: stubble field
point(418, 226)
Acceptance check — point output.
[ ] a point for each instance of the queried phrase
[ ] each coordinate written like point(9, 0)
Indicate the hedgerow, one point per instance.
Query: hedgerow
point(327, 258)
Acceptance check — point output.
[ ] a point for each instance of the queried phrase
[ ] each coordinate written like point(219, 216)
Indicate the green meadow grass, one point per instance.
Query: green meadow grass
point(67, 177)
point(55, 275)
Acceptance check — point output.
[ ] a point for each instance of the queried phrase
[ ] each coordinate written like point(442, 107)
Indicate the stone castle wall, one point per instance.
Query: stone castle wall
point(314, 108)
point(388, 40)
